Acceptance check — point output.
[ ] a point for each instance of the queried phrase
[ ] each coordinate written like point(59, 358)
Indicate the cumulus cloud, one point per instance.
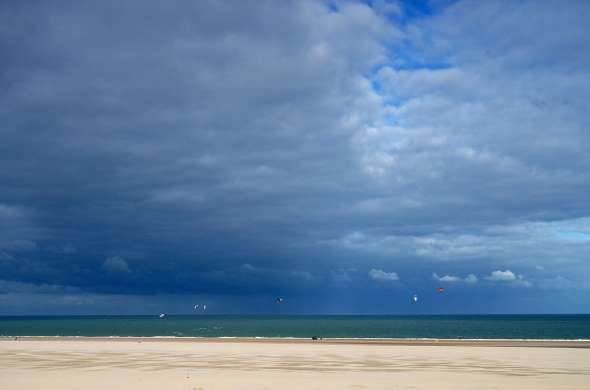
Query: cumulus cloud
point(501, 276)
point(508, 276)
point(471, 278)
point(446, 278)
point(382, 276)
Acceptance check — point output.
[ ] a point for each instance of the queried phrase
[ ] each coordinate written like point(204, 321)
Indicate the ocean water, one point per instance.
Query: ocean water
point(342, 326)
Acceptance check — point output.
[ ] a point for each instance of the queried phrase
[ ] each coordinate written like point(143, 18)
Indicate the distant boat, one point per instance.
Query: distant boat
point(415, 298)
point(162, 315)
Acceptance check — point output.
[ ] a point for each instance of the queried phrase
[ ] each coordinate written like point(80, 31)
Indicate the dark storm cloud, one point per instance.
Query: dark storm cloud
point(257, 148)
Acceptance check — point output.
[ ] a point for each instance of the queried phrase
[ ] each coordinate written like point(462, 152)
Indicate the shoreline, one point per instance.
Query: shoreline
point(545, 343)
point(148, 363)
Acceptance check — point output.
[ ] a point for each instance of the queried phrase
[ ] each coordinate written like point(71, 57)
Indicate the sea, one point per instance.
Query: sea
point(539, 327)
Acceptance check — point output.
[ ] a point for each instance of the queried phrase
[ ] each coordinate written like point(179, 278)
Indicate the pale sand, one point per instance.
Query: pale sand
point(65, 363)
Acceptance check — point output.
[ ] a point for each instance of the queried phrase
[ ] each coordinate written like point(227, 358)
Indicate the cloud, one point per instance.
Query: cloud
point(508, 277)
point(382, 276)
point(443, 96)
point(533, 243)
point(446, 278)
point(501, 276)
point(300, 138)
point(471, 278)
point(116, 264)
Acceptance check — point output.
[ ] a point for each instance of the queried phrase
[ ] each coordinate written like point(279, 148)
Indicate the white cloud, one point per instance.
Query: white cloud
point(471, 278)
point(446, 278)
point(508, 277)
point(382, 276)
point(501, 276)
point(116, 264)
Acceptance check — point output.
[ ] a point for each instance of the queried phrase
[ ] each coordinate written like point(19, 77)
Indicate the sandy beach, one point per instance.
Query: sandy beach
point(157, 363)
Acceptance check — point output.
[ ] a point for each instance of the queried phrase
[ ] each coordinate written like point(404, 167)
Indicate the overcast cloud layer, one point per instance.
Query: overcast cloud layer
point(342, 155)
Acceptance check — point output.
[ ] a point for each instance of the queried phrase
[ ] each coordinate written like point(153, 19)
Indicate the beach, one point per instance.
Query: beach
point(198, 363)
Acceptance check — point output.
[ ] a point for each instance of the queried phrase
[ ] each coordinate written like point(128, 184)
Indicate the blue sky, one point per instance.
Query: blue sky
point(344, 155)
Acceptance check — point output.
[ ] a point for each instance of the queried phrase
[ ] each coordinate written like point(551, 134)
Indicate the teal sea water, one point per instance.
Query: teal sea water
point(439, 327)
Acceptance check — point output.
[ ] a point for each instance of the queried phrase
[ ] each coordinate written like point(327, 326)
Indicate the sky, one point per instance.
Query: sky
point(343, 155)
